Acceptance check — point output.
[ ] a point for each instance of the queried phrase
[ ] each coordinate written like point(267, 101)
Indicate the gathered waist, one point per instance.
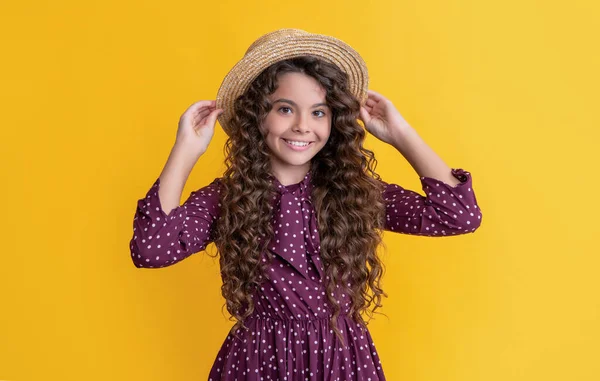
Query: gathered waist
point(290, 319)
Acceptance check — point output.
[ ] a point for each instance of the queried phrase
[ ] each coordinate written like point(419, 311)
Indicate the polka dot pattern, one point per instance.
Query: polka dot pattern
point(295, 227)
point(443, 211)
point(289, 335)
point(161, 240)
point(283, 349)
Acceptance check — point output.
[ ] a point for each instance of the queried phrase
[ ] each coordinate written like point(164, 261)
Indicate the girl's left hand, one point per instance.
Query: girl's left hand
point(381, 118)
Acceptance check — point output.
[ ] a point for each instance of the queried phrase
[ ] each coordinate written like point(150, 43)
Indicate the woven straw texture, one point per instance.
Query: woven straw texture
point(289, 43)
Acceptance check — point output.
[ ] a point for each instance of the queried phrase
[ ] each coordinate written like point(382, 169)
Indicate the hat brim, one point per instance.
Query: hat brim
point(284, 46)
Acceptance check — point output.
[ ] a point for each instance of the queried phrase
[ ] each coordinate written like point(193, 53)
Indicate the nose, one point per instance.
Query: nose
point(301, 124)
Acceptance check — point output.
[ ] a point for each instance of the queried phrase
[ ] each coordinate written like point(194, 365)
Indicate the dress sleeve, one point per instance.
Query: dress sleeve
point(444, 211)
point(161, 240)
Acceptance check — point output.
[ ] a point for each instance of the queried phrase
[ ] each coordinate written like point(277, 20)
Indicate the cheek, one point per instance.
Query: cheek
point(325, 132)
point(272, 126)
point(267, 129)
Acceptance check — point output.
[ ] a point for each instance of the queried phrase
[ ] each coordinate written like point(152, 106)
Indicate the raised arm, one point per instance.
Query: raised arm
point(444, 210)
point(165, 232)
point(161, 239)
point(449, 205)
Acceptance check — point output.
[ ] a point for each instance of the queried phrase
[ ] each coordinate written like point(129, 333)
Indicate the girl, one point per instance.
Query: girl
point(298, 214)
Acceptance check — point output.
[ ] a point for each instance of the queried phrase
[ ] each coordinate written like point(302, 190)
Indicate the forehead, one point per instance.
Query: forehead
point(300, 86)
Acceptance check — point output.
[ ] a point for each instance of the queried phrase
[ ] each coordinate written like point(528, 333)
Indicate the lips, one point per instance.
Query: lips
point(295, 147)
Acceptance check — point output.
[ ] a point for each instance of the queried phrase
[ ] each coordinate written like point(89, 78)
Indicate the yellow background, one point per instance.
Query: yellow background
point(91, 96)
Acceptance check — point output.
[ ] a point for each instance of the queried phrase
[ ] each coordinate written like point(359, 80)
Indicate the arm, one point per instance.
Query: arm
point(449, 205)
point(164, 232)
point(445, 209)
point(420, 156)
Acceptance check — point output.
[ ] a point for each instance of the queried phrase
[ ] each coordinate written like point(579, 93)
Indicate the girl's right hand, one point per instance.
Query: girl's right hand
point(197, 126)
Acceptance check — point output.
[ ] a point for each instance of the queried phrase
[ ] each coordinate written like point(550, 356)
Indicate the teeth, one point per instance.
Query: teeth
point(299, 144)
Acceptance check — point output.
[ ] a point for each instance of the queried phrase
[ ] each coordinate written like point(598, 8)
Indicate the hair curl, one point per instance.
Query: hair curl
point(347, 196)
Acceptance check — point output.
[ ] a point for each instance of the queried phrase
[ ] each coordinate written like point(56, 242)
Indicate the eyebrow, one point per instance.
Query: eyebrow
point(283, 100)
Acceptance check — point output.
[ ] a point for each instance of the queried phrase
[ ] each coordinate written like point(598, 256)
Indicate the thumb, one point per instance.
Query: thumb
point(364, 115)
point(213, 115)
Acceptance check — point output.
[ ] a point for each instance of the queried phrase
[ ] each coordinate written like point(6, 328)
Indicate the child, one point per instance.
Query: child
point(298, 214)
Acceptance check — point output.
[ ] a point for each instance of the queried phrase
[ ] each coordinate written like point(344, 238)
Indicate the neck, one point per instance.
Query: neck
point(291, 174)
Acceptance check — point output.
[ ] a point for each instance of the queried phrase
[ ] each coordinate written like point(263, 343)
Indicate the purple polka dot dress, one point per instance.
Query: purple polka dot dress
point(289, 335)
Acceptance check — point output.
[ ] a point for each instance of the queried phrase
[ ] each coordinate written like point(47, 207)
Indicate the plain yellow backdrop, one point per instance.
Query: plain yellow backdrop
point(91, 96)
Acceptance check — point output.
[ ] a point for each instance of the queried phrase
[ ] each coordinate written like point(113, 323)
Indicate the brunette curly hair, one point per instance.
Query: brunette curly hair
point(347, 197)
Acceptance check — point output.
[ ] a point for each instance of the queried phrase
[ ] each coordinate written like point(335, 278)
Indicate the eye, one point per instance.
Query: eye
point(284, 108)
point(322, 113)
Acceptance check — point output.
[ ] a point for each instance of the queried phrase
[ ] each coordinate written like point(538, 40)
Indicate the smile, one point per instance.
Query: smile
point(296, 145)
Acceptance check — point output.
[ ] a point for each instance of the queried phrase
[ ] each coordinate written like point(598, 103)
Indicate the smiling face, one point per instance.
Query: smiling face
point(297, 127)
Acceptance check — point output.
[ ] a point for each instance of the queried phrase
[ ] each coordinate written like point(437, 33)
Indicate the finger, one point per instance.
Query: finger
point(203, 112)
point(202, 103)
point(371, 102)
point(375, 95)
point(201, 106)
point(364, 115)
point(212, 118)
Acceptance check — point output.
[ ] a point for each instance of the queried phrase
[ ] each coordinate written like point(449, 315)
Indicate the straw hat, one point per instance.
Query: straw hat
point(289, 43)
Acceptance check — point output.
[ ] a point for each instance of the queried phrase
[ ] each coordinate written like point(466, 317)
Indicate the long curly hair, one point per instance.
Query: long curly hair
point(347, 197)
